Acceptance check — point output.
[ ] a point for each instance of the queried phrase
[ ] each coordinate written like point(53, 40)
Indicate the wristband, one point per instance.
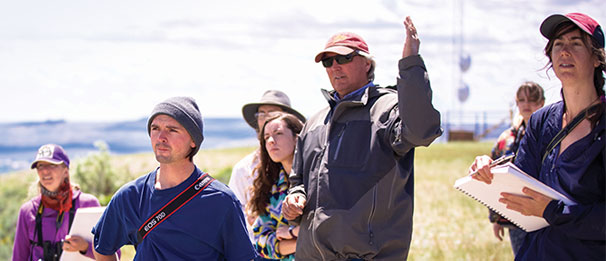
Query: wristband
point(291, 233)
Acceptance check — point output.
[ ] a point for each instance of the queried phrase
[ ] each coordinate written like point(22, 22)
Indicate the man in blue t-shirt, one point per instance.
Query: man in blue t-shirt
point(208, 226)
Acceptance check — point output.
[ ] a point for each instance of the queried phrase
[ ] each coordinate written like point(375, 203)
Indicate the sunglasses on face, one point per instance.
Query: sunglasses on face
point(341, 59)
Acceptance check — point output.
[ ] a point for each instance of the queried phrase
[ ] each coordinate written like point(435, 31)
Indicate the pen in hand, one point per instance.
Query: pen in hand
point(501, 160)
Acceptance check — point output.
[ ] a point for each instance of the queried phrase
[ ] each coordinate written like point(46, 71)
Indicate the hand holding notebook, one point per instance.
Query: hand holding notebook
point(509, 179)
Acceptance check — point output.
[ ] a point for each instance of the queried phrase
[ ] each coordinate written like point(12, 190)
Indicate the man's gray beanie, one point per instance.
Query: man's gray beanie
point(186, 112)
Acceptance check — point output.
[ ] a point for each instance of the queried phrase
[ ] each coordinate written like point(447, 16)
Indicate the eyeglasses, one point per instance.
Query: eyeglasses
point(341, 59)
point(265, 115)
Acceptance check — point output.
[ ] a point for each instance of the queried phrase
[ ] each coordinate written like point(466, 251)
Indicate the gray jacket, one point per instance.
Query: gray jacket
point(354, 163)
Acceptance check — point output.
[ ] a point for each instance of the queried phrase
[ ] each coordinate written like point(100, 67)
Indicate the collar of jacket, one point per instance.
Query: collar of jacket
point(329, 96)
point(336, 108)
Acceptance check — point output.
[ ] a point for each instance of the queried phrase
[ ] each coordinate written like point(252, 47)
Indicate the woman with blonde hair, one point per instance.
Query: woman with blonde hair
point(45, 220)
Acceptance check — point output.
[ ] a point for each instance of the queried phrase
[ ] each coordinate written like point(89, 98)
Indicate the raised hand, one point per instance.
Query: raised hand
point(411, 46)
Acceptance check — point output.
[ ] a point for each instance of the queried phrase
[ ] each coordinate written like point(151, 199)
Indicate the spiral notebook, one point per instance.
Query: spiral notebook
point(509, 178)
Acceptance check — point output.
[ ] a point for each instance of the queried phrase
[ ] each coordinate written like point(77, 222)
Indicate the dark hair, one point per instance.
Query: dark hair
point(267, 170)
point(566, 27)
point(534, 91)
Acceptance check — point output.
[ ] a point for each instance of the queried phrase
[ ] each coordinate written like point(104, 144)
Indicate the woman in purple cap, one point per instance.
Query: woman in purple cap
point(564, 147)
point(45, 220)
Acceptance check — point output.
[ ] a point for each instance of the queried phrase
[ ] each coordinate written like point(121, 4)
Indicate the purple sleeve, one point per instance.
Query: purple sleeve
point(87, 201)
point(22, 246)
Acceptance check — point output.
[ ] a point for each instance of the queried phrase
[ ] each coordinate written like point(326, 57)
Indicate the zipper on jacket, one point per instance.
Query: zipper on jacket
point(370, 217)
point(313, 229)
point(340, 136)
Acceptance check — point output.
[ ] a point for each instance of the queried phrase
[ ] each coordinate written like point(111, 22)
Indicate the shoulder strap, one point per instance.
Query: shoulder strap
point(72, 213)
point(573, 124)
point(39, 223)
point(172, 206)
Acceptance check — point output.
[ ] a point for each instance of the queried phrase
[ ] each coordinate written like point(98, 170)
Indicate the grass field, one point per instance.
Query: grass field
point(447, 224)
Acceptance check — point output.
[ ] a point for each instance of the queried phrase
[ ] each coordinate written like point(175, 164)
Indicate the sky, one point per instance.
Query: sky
point(113, 60)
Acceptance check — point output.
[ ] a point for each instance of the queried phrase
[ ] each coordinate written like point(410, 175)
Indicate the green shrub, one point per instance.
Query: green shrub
point(223, 175)
point(97, 176)
point(13, 192)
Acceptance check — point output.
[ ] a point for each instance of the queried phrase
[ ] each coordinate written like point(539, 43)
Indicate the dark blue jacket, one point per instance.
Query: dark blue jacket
point(575, 232)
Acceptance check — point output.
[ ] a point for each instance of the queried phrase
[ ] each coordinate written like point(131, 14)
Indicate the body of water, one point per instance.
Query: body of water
point(22, 140)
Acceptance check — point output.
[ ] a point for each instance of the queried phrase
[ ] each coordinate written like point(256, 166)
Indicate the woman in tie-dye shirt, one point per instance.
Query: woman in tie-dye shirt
point(273, 237)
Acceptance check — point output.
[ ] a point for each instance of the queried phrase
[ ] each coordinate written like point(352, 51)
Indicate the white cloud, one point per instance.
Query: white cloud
point(113, 60)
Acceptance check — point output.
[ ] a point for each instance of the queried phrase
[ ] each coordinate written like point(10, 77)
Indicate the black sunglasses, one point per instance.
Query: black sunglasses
point(341, 59)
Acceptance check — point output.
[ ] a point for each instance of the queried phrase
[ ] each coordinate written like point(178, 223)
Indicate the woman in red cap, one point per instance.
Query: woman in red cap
point(564, 147)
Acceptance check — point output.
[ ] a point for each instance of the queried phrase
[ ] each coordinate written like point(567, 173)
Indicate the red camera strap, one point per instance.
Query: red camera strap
point(172, 206)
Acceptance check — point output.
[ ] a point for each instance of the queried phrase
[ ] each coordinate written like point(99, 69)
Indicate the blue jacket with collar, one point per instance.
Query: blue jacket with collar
point(575, 232)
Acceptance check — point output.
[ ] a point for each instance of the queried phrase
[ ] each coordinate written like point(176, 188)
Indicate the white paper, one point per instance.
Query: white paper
point(509, 178)
point(84, 221)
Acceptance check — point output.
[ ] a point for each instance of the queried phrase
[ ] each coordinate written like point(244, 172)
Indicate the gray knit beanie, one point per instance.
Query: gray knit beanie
point(186, 112)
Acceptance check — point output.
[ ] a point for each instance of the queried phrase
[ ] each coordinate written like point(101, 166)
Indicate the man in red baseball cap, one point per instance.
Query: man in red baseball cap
point(352, 175)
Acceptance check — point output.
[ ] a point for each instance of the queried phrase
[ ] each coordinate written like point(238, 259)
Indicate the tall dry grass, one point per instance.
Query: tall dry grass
point(448, 225)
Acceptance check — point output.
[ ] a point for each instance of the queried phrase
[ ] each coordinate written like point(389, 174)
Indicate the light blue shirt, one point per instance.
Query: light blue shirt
point(352, 94)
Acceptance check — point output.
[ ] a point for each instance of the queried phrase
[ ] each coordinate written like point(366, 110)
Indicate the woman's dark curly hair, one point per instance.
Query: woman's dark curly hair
point(268, 171)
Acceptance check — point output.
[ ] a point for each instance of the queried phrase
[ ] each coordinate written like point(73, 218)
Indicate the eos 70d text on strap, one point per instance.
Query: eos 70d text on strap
point(172, 206)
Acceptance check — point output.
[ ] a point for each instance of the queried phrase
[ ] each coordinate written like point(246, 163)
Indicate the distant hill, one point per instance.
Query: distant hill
point(21, 140)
